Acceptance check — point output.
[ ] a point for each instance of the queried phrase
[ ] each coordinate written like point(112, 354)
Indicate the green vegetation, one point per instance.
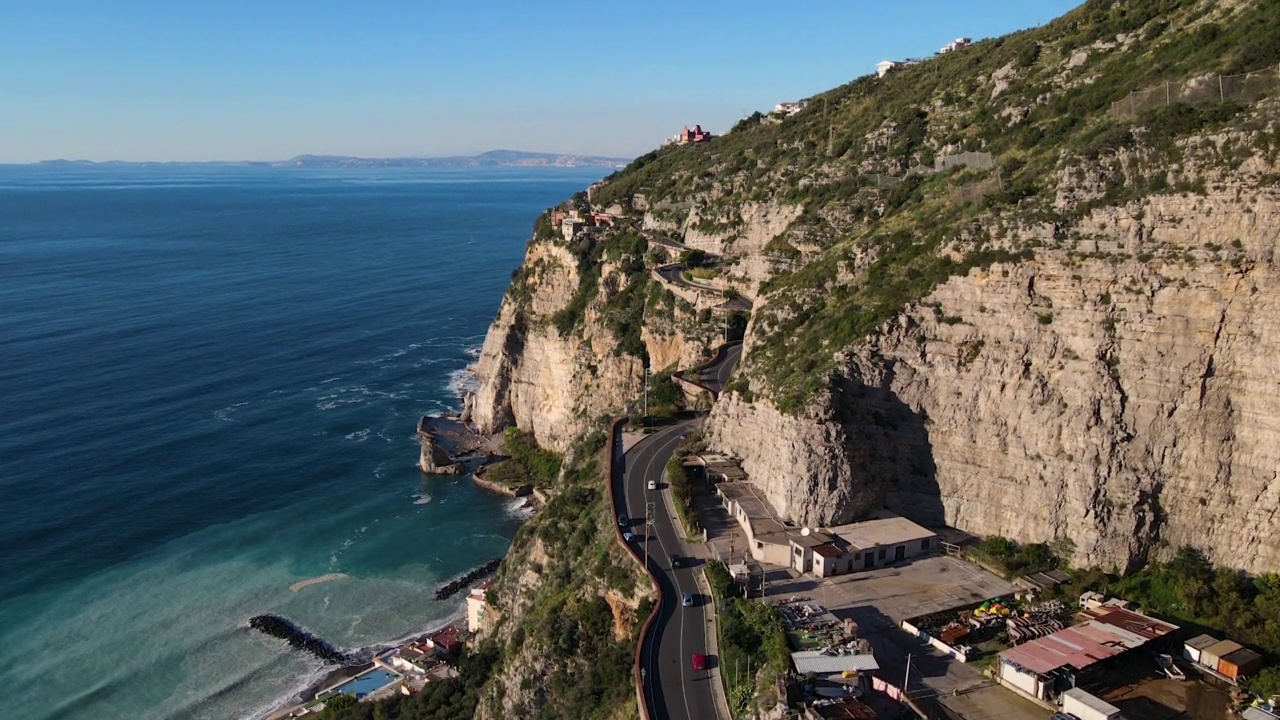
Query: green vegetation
point(682, 493)
point(564, 621)
point(1187, 589)
point(1190, 588)
point(880, 232)
point(452, 699)
point(753, 641)
point(527, 464)
point(1015, 558)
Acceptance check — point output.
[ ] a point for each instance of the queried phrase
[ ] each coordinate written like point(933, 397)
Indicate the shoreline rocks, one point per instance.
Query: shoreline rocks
point(452, 587)
point(285, 629)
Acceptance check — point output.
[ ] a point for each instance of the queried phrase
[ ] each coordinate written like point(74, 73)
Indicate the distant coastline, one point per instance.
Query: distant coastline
point(492, 158)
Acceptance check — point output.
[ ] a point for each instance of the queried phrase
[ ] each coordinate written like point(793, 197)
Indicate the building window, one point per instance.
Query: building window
point(759, 545)
point(796, 551)
point(924, 544)
point(882, 552)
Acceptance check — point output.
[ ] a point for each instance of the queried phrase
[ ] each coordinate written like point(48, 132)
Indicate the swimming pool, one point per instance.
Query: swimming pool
point(367, 683)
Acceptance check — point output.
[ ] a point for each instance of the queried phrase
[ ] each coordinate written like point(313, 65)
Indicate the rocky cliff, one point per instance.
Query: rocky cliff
point(1128, 405)
point(996, 290)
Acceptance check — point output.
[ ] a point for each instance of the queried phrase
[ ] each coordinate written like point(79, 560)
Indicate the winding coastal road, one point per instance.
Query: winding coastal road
point(716, 376)
point(673, 688)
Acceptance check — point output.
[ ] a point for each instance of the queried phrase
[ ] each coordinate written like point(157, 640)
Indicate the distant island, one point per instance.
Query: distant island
point(492, 158)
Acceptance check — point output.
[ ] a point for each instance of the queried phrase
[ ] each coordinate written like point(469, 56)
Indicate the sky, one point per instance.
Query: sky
point(269, 79)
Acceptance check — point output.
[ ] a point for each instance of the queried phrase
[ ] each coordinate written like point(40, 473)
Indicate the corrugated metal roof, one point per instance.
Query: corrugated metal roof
point(1147, 627)
point(1090, 642)
point(817, 661)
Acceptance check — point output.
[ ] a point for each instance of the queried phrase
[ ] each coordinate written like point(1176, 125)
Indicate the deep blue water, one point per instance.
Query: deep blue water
point(210, 380)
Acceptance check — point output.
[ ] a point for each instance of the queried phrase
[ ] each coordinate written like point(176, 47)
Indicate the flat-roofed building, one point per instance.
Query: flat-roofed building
point(883, 539)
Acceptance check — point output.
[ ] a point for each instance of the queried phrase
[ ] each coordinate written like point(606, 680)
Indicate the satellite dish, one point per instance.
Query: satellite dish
point(804, 532)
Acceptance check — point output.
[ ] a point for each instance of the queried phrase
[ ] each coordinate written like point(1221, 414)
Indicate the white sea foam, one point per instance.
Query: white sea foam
point(421, 499)
point(359, 435)
point(462, 382)
point(228, 413)
point(518, 508)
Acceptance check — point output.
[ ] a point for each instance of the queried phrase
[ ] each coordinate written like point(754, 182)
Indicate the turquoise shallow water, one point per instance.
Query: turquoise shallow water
point(212, 377)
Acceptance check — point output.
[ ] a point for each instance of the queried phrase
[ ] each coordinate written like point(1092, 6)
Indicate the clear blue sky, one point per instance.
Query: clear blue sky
point(269, 79)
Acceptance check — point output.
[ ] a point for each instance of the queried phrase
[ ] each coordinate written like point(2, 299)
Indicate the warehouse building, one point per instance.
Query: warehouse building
point(1045, 668)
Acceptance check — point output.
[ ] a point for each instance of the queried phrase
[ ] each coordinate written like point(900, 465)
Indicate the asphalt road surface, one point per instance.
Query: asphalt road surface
point(715, 377)
point(674, 689)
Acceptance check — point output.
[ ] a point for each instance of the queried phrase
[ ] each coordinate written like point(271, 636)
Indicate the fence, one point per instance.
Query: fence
point(1199, 91)
point(973, 192)
point(979, 160)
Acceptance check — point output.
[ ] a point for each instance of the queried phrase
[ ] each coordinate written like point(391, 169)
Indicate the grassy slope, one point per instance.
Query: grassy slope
point(873, 251)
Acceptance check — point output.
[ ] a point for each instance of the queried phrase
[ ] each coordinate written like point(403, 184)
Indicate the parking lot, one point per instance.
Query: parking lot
point(922, 586)
point(878, 600)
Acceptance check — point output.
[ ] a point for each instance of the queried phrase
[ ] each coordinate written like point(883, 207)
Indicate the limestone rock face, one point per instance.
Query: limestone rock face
point(1128, 403)
point(559, 387)
point(435, 460)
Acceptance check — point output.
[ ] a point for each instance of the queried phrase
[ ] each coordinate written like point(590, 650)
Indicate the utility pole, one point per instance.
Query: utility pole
point(906, 678)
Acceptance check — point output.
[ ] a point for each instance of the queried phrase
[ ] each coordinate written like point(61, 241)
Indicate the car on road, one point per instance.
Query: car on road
point(699, 661)
point(688, 600)
point(653, 484)
point(1064, 716)
point(675, 561)
point(628, 536)
point(622, 520)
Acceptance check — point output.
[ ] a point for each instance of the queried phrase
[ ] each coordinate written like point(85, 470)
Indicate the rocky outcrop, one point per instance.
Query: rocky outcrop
point(434, 459)
point(556, 386)
point(1120, 394)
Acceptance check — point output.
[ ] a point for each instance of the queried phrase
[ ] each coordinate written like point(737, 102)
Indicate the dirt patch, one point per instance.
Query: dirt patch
point(1160, 698)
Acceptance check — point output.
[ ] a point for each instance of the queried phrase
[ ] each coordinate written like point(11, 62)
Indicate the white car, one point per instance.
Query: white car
point(628, 536)
point(653, 484)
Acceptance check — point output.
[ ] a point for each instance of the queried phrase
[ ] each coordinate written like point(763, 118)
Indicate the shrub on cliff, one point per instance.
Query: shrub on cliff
point(527, 463)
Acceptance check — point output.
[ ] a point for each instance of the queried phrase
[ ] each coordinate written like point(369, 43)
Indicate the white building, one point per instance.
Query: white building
point(790, 108)
point(571, 226)
point(477, 608)
point(882, 539)
point(884, 66)
point(956, 44)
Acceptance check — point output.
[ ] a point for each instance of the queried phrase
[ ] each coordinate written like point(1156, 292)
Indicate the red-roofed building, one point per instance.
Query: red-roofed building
point(696, 135)
point(1046, 667)
point(446, 641)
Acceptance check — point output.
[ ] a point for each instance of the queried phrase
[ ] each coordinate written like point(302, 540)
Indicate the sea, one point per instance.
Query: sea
point(211, 378)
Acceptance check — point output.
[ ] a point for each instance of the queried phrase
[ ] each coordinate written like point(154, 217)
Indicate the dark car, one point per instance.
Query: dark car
point(1064, 716)
point(622, 520)
point(675, 561)
point(699, 661)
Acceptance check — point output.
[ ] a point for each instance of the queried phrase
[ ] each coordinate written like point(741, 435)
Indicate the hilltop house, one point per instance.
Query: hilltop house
point(696, 135)
point(884, 66)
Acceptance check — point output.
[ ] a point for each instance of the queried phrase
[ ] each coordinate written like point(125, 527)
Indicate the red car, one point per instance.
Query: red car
point(699, 661)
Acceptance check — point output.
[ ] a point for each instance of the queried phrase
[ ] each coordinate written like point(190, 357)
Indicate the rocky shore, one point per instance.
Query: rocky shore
point(452, 587)
point(451, 447)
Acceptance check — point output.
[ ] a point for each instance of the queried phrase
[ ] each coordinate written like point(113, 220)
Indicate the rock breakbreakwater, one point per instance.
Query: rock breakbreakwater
point(452, 587)
point(297, 637)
